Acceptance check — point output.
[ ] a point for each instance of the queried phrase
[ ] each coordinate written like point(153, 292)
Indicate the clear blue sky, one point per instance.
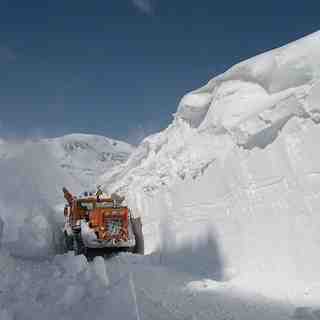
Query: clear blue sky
point(119, 67)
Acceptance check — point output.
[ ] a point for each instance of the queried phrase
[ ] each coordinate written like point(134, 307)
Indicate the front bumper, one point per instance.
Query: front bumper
point(90, 239)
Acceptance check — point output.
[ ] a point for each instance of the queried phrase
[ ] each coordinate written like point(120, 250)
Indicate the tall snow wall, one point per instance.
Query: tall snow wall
point(30, 188)
point(241, 158)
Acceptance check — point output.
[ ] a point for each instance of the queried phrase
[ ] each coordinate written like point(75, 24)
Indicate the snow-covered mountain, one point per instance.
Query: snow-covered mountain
point(82, 156)
point(87, 156)
point(229, 194)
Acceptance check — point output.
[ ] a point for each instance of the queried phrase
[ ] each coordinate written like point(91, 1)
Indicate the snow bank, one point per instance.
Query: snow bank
point(264, 206)
point(240, 158)
point(256, 95)
point(29, 189)
point(197, 252)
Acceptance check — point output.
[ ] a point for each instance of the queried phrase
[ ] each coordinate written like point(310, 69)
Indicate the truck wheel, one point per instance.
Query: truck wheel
point(78, 245)
point(68, 242)
point(138, 235)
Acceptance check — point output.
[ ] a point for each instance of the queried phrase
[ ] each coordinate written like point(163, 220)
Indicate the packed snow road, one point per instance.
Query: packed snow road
point(67, 287)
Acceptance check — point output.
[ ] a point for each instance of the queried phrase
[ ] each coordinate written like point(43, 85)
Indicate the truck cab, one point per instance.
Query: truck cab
point(100, 222)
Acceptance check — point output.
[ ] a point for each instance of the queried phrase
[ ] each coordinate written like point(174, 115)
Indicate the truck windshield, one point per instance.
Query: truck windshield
point(86, 205)
point(104, 204)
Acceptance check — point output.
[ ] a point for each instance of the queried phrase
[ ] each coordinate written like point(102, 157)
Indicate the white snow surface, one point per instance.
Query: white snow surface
point(229, 196)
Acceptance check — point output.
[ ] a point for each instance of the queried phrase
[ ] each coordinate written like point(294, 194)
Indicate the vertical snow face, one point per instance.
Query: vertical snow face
point(263, 205)
point(30, 187)
point(240, 161)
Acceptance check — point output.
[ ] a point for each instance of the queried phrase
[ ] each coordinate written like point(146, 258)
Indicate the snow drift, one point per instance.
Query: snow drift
point(252, 100)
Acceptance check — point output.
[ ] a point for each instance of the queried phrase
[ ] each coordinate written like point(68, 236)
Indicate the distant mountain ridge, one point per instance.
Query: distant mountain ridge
point(88, 156)
point(82, 156)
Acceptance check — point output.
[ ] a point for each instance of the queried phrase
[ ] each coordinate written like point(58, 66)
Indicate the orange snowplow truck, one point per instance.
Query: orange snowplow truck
point(94, 221)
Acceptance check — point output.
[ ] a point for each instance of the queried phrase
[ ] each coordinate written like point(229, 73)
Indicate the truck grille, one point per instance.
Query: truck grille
point(114, 226)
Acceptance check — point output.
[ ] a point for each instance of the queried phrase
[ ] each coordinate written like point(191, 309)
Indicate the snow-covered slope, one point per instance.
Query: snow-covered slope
point(229, 194)
point(241, 158)
point(80, 155)
point(88, 156)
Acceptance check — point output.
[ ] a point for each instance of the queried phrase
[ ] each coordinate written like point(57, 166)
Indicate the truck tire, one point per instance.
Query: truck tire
point(138, 235)
point(68, 242)
point(78, 245)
